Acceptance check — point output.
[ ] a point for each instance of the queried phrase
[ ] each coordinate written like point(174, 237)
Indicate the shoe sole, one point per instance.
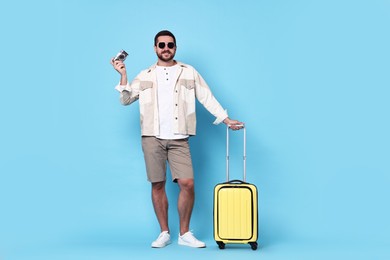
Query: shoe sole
point(190, 245)
point(154, 246)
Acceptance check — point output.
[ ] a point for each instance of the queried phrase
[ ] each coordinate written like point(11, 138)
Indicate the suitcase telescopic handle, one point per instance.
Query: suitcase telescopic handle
point(227, 153)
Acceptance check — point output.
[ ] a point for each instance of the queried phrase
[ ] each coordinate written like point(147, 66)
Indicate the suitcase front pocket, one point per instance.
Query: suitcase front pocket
point(235, 213)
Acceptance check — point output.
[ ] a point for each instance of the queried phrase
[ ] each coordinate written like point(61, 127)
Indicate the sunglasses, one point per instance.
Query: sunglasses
point(170, 45)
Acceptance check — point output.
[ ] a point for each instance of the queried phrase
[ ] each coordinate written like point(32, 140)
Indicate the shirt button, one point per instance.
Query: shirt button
point(176, 118)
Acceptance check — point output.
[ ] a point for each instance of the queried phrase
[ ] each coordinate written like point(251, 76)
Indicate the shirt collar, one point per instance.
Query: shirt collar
point(153, 67)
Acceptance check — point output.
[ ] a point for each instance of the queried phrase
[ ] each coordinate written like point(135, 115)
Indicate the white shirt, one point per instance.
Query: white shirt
point(165, 89)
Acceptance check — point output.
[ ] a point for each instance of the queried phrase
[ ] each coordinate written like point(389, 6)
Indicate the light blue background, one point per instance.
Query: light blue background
point(309, 78)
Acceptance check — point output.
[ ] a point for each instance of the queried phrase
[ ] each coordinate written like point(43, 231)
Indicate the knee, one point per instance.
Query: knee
point(158, 186)
point(186, 184)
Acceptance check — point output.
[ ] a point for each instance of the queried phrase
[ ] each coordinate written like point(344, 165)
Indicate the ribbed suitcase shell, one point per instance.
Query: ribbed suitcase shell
point(235, 212)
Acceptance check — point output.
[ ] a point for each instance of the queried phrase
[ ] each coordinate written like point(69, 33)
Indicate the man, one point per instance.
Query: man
point(167, 92)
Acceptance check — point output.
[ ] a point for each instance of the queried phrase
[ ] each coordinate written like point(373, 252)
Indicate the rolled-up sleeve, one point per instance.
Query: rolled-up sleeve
point(128, 93)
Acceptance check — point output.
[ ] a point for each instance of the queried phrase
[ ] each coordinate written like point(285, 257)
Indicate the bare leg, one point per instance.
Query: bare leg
point(185, 203)
point(160, 204)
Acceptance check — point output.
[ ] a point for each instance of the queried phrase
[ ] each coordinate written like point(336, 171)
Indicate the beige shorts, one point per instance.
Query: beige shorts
point(157, 152)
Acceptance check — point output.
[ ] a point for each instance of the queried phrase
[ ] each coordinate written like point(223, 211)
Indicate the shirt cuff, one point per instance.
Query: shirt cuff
point(120, 87)
point(221, 118)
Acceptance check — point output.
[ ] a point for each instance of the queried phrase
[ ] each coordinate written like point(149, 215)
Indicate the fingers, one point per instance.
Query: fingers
point(233, 124)
point(236, 125)
point(117, 64)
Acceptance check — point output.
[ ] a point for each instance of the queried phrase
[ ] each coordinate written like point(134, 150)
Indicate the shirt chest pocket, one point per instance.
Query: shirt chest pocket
point(188, 84)
point(187, 91)
point(146, 92)
point(187, 88)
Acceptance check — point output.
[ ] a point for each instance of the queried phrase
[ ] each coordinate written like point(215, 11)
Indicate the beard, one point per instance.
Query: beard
point(162, 56)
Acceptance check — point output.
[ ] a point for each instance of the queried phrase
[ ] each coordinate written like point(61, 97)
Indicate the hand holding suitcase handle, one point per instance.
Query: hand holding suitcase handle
point(233, 124)
point(242, 125)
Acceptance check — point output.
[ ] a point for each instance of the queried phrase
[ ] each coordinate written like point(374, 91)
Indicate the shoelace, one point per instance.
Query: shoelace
point(192, 237)
point(162, 234)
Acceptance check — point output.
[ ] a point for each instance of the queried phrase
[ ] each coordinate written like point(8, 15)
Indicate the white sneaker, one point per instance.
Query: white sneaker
point(163, 240)
point(188, 239)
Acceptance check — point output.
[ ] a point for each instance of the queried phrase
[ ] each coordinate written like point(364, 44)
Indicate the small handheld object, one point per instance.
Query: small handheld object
point(122, 55)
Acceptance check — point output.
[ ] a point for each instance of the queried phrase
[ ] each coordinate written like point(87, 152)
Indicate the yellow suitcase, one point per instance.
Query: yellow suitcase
point(235, 209)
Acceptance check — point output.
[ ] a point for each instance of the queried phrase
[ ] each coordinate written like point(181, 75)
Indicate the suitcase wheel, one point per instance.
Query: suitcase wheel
point(253, 245)
point(221, 244)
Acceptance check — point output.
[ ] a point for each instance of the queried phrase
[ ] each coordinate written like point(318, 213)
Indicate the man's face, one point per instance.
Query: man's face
point(166, 48)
